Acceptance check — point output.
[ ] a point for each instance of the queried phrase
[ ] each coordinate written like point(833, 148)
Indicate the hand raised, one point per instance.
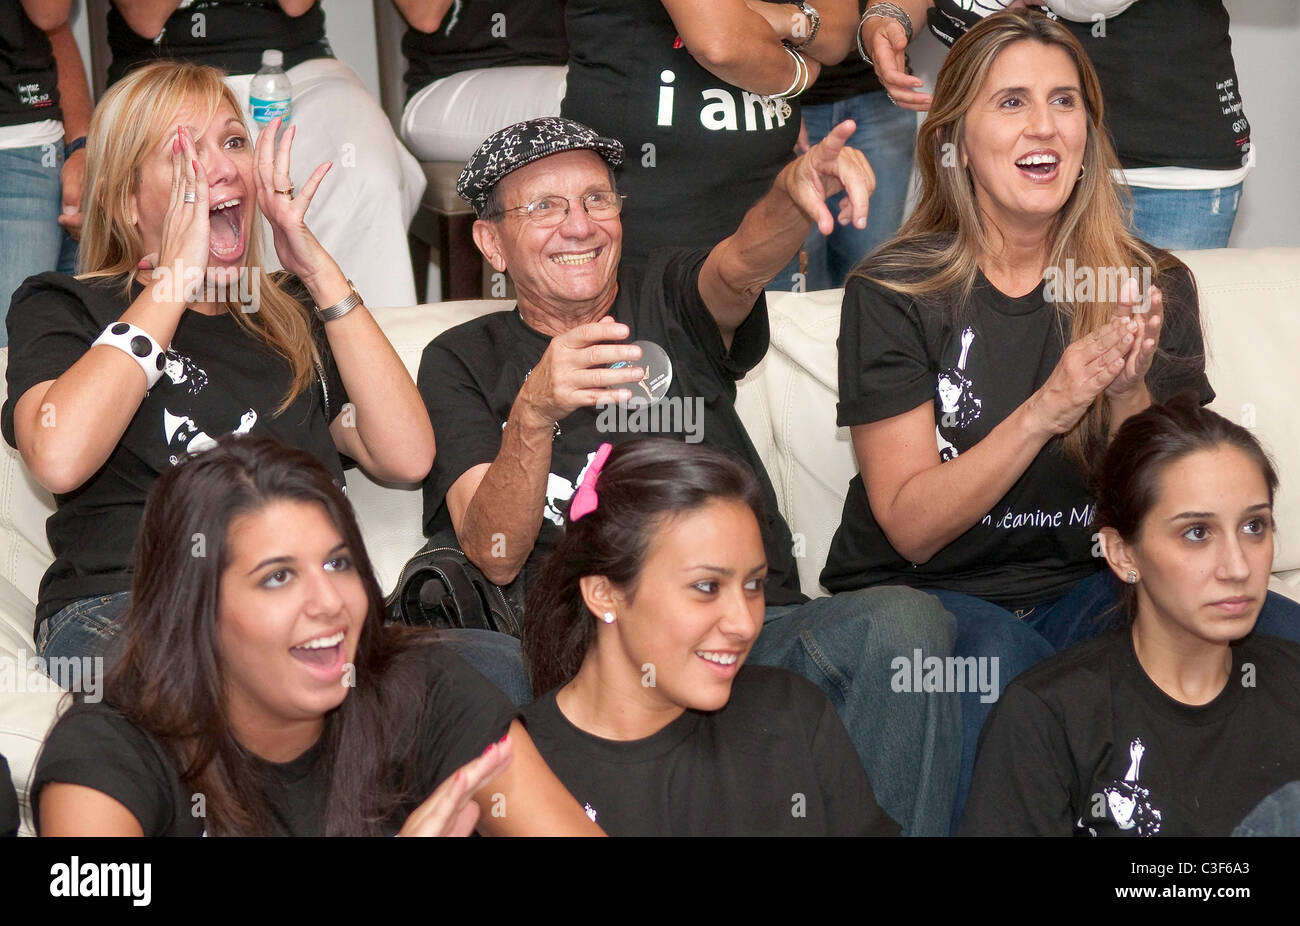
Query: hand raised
point(450, 810)
point(1087, 366)
point(186, 231)
point(285, 209)
point(828, 167)
point(1144, 324)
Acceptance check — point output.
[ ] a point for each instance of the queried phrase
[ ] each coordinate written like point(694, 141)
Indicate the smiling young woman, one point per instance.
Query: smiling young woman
point(639, 626)
point(260, 693)
point(1183, 721)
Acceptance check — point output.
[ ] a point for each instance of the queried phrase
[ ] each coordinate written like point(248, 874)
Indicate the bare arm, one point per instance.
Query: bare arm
point(296, 8)
point(74, 100)
point(921, 504)
point(146, 17)
point(47, 15)
point(528, 799)
point(497, 507)
point(732, 42)
point(424, 15)
point(834, 39)
point(75, 810)
point(886, 42)
point(771, 232)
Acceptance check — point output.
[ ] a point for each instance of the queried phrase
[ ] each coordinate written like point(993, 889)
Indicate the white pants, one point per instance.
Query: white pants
point(450, 118)
point(365, 204)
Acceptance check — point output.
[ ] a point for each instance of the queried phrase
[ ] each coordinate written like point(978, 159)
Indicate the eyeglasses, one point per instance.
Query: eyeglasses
point(553, 210)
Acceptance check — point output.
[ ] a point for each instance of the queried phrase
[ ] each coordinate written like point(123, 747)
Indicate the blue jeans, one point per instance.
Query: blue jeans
point(1276, 815)
point(1018, 641)
point(1187, 220)
point(88, 627)
point(31, 239)
point(909, 742)
point(886, 134)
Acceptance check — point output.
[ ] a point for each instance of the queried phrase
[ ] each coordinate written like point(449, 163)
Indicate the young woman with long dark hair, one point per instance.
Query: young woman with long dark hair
point(639, 625)
point(259, 692)
point(1184, 720)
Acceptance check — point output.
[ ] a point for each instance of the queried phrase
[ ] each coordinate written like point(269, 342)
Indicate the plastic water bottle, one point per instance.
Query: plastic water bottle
point(270, 95)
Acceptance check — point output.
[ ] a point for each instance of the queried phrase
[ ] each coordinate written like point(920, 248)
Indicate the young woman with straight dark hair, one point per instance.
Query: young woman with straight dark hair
point(1183, 720)
point(258, 691)
point(639, 625)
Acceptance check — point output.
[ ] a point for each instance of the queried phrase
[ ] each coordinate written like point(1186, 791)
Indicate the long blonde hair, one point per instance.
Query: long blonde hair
point(935, 255)
point(130, 121)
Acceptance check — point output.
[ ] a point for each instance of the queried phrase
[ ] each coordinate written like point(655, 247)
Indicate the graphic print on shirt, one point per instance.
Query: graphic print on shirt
point(183, 433)
point(958, 406)
point(559, 489)
point(1128, 802)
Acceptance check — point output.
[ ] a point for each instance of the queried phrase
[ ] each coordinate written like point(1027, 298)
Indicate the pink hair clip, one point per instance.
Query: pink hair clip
point(585, 499)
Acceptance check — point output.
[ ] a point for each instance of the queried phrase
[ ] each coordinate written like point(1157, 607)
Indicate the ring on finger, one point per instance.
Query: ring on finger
point(189, 196)
point(288, 192)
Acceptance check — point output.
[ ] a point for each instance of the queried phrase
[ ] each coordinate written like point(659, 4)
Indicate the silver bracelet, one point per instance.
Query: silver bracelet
point(137, 344)
point(883, 11)
point(340, 308)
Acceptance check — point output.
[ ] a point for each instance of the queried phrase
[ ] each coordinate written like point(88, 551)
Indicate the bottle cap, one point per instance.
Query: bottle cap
point(272, 58)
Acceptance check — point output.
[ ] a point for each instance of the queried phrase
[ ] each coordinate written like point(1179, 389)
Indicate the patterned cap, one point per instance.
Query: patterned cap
point(523, 143)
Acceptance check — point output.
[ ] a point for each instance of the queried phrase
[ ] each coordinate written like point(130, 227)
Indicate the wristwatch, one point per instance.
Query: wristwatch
point(814, 22)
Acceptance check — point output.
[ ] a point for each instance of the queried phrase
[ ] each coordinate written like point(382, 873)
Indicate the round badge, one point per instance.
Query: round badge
point(658, 370)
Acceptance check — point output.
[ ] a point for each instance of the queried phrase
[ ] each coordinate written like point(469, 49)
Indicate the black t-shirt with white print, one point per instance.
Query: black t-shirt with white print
point(470, 376)
point(228, 34)
point(219, 378)
point(896, 353)
point(485, 34)
point(775, 761)
point(95, 746)
point(29, 90)
point(699, 151)
point(1086, 743)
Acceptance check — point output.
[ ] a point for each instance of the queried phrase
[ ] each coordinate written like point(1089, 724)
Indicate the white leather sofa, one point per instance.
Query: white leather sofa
point(1251, 308)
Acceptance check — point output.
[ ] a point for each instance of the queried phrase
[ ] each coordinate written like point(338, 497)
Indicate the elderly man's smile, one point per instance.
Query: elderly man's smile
point(576, 257)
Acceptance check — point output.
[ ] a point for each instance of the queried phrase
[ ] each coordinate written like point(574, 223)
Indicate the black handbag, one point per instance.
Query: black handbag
point(440, 587)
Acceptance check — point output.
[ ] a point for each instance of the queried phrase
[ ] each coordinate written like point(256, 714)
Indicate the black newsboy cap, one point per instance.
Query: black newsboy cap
point(525, 142)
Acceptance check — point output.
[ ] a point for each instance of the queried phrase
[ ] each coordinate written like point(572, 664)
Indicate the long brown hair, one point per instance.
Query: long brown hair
point(935, 255)
point(168, 680)
point(132, 119)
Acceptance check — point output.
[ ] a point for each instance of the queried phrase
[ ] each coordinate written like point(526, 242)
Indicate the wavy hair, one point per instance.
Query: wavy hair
point(169, 678)
point(131, 120)
point(935, 255)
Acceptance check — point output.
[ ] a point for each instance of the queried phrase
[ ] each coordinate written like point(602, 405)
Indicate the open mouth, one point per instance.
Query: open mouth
point(723, 663)
point(321, 652)
point(226, 220)
point(1039, 165)
point(574, 260)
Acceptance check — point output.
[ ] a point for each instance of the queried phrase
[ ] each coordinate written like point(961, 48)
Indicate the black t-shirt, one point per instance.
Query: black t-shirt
point(470, 376)
point(228, 34)
point(1170, 84)
point(700, 151)
point(849, 78)
point(1086, 743)
point(219, 379)
point(29, 89)
point(8, 802)
point(483, 34)
point(95, 746)
point(775, 761)
point(896, 353)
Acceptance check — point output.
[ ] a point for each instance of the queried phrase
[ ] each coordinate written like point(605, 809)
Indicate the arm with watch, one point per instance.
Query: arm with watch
point(67, 428)
point(738, 45)
point(819, 30)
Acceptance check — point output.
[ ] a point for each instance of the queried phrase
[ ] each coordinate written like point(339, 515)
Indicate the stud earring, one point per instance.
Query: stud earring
point(608, 617)
point(1131, 578)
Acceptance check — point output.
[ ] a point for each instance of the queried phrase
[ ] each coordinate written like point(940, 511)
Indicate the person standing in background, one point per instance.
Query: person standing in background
point(702, 94)
point(361, 214)
point(44, 111)
point(887, 136)
point(1173, 102)
point(477, 67)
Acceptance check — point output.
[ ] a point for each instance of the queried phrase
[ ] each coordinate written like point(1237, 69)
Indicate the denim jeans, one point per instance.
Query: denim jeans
point(847, 644)
point(1188, 220)
point(1276, 815)
point(31, 239)
point(886, 134)
point(1020, 640)
point(88, 627)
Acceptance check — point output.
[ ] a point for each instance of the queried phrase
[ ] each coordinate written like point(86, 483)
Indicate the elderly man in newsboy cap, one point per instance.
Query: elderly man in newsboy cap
point(521, 400)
